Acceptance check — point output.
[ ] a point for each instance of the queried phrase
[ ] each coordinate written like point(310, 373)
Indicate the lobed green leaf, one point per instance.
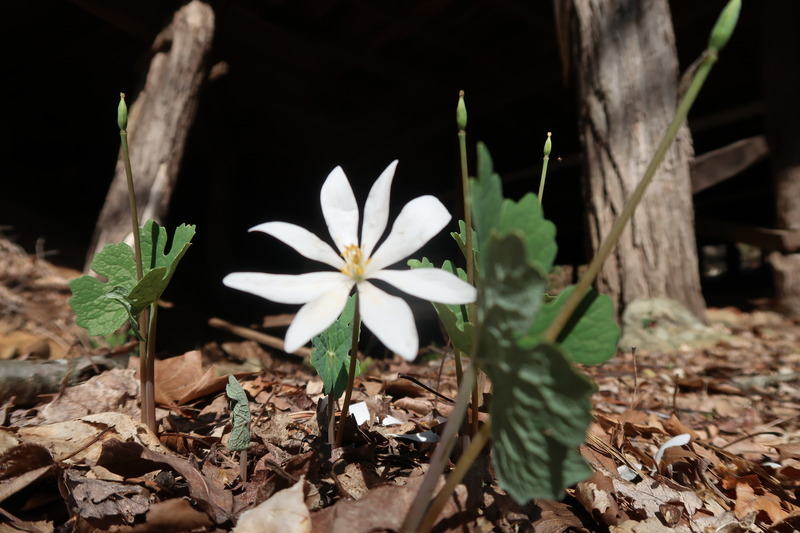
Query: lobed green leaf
point(527, 216)
point(94, 309)
point(509, 295)
point(590, 336)
point(103, 307)
point(540, 411)
point(330, 349)
point(454, 318)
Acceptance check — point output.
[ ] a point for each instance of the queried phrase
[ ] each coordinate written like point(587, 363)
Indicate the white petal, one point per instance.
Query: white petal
point(315, 317)
point(417, 223)
point(678, 440)
point(432, 284)
point(376, 211)
point(340, 209)
point(302, 240)
point(285, 288)
point(390, 319)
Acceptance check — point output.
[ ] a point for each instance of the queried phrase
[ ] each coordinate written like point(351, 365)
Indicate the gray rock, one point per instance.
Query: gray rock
point(664, 325)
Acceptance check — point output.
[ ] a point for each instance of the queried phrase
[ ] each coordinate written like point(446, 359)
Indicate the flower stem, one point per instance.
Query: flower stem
point(707, 61)
point(331, 408)
point(122, 119)
point(461, 121)
point(146, 364)
point(545, 161)
point(456, 476)
point(149, 391)
point(243, 465)
point(440, 456)
point(462, 145)
point(351, 376)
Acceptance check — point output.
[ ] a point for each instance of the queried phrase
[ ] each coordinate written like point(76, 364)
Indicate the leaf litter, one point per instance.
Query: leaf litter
point(77, 456)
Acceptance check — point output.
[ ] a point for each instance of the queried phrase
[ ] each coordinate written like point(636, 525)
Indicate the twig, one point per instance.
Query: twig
point(429, 389)
point(253, 335)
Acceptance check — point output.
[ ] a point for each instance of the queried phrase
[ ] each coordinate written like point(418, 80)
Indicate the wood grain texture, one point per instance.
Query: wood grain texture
point(627, 73)
point(159, 123)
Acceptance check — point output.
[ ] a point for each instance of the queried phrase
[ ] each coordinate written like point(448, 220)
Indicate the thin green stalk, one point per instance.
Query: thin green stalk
point(146, 370)
point(456, 476)
point(122, 121)
point(547, 147)
point(440, 456)
point(351, 376)
point(461, 121)
point(462, 145)
point(555, 328)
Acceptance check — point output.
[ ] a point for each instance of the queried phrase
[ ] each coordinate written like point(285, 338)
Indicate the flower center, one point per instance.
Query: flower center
point(354, 262)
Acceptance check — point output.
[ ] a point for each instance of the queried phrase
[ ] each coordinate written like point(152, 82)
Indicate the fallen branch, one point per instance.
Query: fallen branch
point(26, 381)
point(253, 335)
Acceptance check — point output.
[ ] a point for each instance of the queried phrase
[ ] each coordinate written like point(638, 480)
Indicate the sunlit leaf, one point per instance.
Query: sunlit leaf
point(103, 307)
point(590, 336)
point(240, 416)
point(330, 349)
point(454, 318)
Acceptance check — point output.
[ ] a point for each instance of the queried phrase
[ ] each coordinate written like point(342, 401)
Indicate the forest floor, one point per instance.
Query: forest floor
point(74, 457)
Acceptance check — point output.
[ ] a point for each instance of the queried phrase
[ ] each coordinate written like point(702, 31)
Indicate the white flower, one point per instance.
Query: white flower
point(325, 293)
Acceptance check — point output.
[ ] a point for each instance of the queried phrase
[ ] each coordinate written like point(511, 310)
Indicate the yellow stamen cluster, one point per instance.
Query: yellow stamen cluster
point(354, 262)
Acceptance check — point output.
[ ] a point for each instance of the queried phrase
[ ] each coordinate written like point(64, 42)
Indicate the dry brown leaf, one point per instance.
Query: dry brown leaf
point(747, 501)
point(131, 459)
point(284, 512)
point(650, 525)
point(648, 495)
point(114, 390)
point(597, 496)
point(81, 439)
point(21, 466)
point(169, 516)
point(347, 516)
point(103, 503)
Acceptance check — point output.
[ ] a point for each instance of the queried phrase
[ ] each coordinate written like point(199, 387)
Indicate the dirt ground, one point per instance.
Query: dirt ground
point(74, 457)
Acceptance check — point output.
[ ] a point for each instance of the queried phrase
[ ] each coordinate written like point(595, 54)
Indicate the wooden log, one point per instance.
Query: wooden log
point(718, 165)
point(159, 124)
point(781, 240)
point(26, 381)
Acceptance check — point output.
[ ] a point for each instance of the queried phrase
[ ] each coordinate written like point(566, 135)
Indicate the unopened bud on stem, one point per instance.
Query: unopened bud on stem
point(122, 113)
point(461, 112)
point(725, 24)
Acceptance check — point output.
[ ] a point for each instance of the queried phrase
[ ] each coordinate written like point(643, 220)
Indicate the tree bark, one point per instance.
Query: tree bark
point(159, 123)
point(781, 78)
point(627, 75)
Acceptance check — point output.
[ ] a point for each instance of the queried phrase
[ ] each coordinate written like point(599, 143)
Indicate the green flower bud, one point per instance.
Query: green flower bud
point(725, 24)
point(461, 112)
point(548, 145)
point(122, 113)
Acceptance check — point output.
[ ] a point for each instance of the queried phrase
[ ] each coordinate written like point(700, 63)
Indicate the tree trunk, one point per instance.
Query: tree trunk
point(627, 74)
point(781, 90)
point(159, 123)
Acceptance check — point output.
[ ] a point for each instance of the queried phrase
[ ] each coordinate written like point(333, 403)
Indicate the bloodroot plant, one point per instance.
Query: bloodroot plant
point(134, 281)
point(357, 262)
